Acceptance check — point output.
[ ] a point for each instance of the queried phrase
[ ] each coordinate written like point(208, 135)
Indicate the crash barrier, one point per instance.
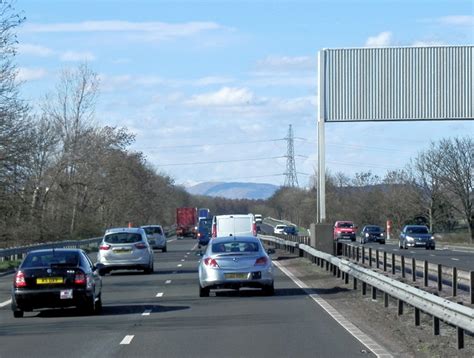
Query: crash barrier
point(18, 253)
point(442, 310)
point(445, 277)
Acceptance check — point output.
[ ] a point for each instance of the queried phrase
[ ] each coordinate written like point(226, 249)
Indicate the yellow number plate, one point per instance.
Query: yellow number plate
point(49, 280)
point(239, 276)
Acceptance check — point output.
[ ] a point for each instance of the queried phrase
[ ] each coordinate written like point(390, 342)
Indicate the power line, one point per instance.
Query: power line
point(154, 148)
point(219, 161)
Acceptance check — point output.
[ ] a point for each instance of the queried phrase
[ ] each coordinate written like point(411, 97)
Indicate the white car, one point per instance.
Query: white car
point(156, 237)
point(279, 229)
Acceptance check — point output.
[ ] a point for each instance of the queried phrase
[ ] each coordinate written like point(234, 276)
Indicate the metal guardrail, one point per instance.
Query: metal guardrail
point(459, 316)
point(18, 253)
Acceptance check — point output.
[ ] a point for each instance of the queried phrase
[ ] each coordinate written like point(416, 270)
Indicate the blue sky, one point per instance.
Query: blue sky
point(220, 81)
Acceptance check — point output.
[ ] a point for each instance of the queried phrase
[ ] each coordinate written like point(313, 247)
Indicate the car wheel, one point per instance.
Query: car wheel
point(98, 304)
point(88, 307)
point(103, 272)
point(149, 270)
point(203, 291)
point(405, 245)
point(382, 242)
point(164, 249)
point(269, 290)
point(18, 314)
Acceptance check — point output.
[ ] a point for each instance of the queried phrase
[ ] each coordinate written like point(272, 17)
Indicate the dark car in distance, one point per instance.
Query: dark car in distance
point(56, 278)
point(290, 230)
point(416, 235)
point(204, 231)
point(372, 233)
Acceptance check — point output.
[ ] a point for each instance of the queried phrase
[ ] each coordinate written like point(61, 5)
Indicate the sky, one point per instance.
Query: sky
point(210, 88)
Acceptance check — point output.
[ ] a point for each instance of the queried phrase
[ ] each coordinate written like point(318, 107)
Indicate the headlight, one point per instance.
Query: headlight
point(409, 238)
point(366, 234)
point(381, 234)
point(432, 238)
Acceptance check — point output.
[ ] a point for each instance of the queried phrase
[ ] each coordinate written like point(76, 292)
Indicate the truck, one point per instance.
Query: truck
point(186, 222)
point(204, 213)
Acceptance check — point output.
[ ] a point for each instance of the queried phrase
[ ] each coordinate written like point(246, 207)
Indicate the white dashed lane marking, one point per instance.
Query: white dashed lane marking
point(159, 294)
point(179, 265)
point(167, 282)
point(146, 313)
point(6, 303)
point(455, 259)
point(127, 339)
point(182, 260)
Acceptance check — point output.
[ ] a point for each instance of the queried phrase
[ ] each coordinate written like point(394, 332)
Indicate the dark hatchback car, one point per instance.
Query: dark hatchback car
point(416, 235)
point(56, 278)
point(372, 233)
point(204, 231)
point(290, 230)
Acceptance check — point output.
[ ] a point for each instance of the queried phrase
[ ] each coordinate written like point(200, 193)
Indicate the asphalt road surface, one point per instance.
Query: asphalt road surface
point(162, 315)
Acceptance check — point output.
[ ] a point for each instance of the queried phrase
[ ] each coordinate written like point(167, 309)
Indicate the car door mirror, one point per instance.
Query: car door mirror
point(271, 251)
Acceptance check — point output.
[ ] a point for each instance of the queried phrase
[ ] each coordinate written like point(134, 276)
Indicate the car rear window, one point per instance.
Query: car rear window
point(205, 224)
point(153, 230)
point(46, 259)
point(235, 246)
point(122, 238)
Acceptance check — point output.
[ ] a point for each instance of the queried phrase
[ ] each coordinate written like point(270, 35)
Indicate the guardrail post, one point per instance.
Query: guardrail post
point(346, 278)
point(460, 338)
point(338, 271)
point(402, 264)
point(300, 252)
point(436, 326)
point(455, 282)
point(377, 257)
point(400, 307)
point(440, 277)
point(471, 288)
point(385, 299)
point(364, 288)
point(417, 316)
point(393, 264)
point(363, 255)
point(327, 265)
point(354, 283)
point(425, 273)
point(413, 269)
point(374, 293)
point(370, 256)
point(358, 254)
point(334, 270)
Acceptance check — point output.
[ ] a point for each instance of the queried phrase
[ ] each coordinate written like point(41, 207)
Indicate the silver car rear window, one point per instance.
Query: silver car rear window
point(235, 246)
point(122, 238)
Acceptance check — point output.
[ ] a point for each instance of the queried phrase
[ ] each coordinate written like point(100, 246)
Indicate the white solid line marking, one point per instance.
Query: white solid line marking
point(167, 282)
point(6, 303)
point(146, 313)
point(179, 265)
point(378, 350)
point(127, 339)
point(171, 240)
point(452, 258)
point(159, 294)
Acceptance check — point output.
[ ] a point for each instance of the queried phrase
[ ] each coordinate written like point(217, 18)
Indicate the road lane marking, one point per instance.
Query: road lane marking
point(171, 240)
point(159, 294)
point(182, 260)
point(6, 303)
point(167, 282)
point(432, 255)
point(412, 252)
point(180, 265)
point(127, 339)
point(146, 313)
point(452, 258)
point(373, 346)
point(187, 253)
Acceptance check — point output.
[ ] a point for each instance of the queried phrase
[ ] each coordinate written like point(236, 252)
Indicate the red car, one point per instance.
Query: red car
point(344, 230)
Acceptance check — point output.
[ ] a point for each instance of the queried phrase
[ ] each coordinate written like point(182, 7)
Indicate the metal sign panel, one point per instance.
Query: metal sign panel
point(397, 83)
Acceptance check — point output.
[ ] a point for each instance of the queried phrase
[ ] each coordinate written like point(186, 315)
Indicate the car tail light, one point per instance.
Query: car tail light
point(199, 234)
point(208, 261)
point(254, 229)
point(80, 278)
point(261, 261)
point(140, 245)
point(20, 279)
point(214, 230)
point(104, 247)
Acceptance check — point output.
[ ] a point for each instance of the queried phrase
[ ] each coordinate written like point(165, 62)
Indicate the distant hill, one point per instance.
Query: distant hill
point(234, 190)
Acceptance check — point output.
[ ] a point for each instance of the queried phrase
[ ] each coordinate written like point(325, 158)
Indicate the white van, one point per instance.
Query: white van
point(234, 225)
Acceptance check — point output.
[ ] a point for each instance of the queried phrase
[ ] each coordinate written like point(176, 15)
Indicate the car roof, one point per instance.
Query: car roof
point(235, 238)
point(135, 230)
point(423, 226)
point(147, 226)
point(56, 250)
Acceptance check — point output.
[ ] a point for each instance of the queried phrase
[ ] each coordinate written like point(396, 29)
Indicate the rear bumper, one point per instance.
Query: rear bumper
point(27, 300)
point(346, 236)
point(215, 279)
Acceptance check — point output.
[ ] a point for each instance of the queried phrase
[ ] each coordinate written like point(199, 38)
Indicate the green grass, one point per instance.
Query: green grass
point(9, 265)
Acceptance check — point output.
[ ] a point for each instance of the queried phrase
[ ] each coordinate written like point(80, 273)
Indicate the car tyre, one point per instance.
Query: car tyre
point(164, 249)
point(203, 291)
point(269, 290)
point(98, 304)
point(88, 307)
point(18, 314)
point(149, 270)
point(382, 242)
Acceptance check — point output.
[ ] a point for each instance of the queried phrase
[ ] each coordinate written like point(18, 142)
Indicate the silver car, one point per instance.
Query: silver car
point(156, 237)
point(235, 262)
point(125, 249)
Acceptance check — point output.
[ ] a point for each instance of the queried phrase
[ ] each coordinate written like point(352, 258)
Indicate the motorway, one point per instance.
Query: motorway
point(162, 315)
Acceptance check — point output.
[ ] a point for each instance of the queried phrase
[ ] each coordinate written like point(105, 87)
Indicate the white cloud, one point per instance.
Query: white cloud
point(213, 80)
point(154, 30)
point(287, 63)
point(380, 40)
point(225, 97)
point(457, 20)
point(30, 74)
point(34, 50)
point(74, 56)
